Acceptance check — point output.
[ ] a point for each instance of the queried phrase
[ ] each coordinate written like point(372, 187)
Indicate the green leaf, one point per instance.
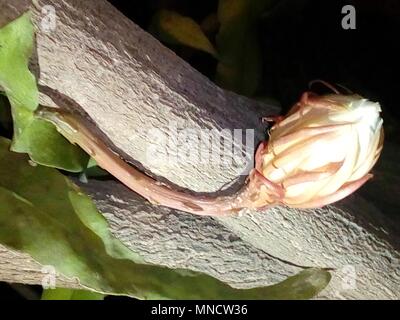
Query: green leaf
point(41, 140)
point(173, 28)
point(16, 42)
point(70, 294)
point(240, 66)
point(36, 137)
point(43, 214)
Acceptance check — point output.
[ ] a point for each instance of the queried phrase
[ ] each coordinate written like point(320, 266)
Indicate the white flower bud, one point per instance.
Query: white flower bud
point(324, 149)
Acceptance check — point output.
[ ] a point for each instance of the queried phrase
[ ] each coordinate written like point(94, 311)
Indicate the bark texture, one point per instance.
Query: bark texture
point(135, 90)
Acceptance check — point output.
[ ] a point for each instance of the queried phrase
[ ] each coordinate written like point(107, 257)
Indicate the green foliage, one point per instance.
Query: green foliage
point(174, 28)
point(36, 137)
point(70, 294)
point(16, 41)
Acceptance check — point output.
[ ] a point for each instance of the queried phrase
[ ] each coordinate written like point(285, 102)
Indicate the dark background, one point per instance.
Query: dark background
point(303, 40)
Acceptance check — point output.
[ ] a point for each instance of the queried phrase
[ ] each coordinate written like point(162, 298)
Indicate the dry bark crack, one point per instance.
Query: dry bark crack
point(130, 85)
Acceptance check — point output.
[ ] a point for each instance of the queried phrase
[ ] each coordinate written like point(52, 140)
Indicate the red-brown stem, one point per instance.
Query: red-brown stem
point(74, 129)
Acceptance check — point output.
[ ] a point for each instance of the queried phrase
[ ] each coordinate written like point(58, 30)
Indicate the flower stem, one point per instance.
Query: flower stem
point(72, 127)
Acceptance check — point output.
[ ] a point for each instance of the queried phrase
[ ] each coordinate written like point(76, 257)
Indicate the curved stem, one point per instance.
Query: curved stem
point(73, 128)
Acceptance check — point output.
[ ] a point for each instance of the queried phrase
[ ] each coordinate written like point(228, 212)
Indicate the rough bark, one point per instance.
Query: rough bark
point(129, 84)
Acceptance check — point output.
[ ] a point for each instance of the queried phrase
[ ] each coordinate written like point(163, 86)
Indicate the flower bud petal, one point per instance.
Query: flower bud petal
point(324, 149)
